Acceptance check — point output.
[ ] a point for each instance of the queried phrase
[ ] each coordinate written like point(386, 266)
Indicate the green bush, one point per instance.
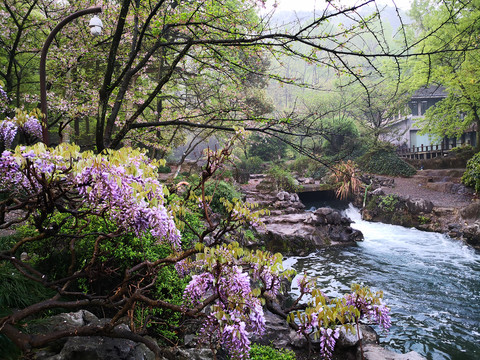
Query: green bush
point(464, 150)
point(301, 166)
point(282, 179)
point(260, 352)
point(388, 203)
point(268, 148)
point(164, 169)
point(384, 161)
point(221, 190)
point(252, 165)
point(471, 176)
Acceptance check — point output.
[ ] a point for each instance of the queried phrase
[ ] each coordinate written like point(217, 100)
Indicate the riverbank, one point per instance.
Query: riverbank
point(447, 206)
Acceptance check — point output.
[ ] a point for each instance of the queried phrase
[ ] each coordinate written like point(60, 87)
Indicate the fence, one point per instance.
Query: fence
point(423, 152)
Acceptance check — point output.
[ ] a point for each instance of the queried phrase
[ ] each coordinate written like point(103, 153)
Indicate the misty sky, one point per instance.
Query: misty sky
point(308, 5)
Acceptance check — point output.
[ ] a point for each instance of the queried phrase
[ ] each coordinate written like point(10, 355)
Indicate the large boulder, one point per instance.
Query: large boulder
point(419, 206)
point(471, 211)
point(376, 352)
point(89, 347)
point(301, 233)
point(279, 333)
point(100, 348)
point(471, 234)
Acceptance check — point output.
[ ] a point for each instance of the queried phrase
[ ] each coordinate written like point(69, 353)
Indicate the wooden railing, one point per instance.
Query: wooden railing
point(423, 152)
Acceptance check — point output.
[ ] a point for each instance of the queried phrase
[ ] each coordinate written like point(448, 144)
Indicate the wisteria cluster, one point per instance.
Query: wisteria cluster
point(323, 317)
point(229, 273)
point(328, 339)
point(32, 126)
point(8, 131)
point(371, 308)
point(27, 123)
point(134, 201)
point(3, 99)
point(121, 184)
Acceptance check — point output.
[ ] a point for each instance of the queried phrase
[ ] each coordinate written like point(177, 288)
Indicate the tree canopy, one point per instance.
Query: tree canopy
point(165, 70)
point(453, 62)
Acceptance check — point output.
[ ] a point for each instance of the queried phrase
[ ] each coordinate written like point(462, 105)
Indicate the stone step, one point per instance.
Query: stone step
point(437, 179)
point(441, 172)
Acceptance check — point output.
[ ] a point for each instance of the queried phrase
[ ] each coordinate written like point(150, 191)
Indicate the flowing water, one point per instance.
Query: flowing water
point(431, 283)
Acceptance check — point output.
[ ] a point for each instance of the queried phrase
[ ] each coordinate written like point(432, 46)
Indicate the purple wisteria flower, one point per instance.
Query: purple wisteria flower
point(4, 100)
point(130, 200)
point(237, 312)
point(328, 340)
point(8, 131)
point(32, 127)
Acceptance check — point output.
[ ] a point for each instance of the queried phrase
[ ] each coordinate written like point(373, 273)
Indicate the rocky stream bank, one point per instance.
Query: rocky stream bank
point(432, 200)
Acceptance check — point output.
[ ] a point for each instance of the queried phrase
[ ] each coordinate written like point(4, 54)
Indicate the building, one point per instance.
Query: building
point(406, 135)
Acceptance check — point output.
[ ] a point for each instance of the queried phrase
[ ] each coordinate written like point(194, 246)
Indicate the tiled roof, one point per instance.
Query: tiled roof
point(433, 91)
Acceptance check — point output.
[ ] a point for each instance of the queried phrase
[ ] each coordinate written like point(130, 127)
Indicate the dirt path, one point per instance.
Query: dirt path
point(418, 187)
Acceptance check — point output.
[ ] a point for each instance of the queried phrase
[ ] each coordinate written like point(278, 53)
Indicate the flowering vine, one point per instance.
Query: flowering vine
point(27, 123)
point(322, 317)
point(121, 183)
point(239, 281)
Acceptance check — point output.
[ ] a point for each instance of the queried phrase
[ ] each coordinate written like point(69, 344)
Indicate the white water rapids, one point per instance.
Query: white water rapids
point(431, 283)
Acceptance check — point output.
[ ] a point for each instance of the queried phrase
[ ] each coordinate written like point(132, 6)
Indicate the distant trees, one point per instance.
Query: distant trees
point(163, 70)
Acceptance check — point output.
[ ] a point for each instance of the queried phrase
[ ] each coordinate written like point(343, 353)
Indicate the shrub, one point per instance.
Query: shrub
point(301, 165)
point(261, 352)
point(305, 166)
point(221, 190)
point(266, 147)
point(471, 176)
point(165, 169)
point(282, 179)
point(388, 202)
point(345, 175)
point(384, 161)
point(252, 165)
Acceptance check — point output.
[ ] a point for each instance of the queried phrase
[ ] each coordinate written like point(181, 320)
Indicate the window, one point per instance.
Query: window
point(414, 108)
point(423, 107)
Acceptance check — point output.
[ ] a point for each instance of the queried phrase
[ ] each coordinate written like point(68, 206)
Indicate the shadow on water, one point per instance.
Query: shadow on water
point(317, 199)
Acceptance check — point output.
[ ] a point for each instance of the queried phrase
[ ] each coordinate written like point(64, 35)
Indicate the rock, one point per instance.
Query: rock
point(376, 352)
point(471, 211)
point(348, 339)
point(89, 347)
point(278, 332)
point(417, 206)
point(282, 195)
point(68, 321)
point(300, 233)
point(378, 192)
point(102, 348)
point(369, 334)
point(190, 354)
point(471, 234)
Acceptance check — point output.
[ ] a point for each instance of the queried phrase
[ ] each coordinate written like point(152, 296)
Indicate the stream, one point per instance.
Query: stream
point(431, 283)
